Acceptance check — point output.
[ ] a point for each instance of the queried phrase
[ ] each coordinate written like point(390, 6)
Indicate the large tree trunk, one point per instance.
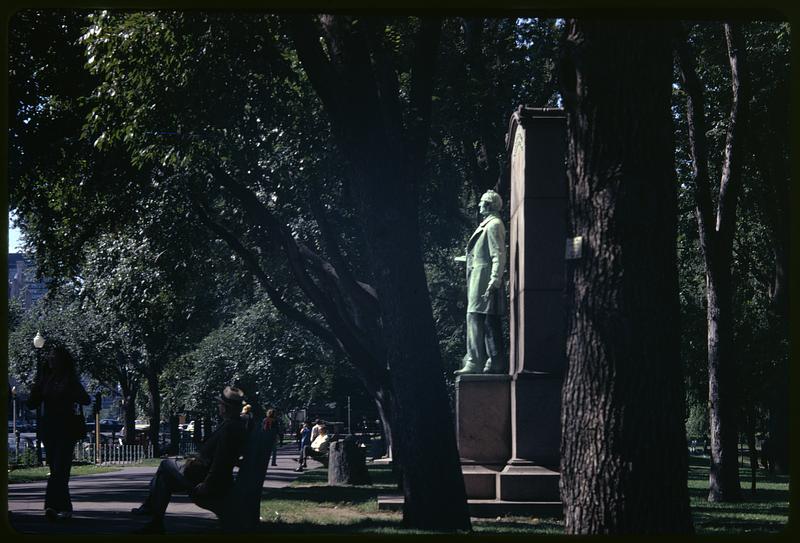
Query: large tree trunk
point(129, 395)
point(433, 485)
point(624, 457)
point(358, 85)
point(154, 396)
point(723, 479)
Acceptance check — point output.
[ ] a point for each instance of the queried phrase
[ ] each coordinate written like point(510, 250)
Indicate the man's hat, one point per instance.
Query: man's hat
point(231, 396)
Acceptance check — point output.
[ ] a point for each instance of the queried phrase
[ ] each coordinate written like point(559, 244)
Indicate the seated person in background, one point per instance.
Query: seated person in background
point(318, 448)
point(207, 477)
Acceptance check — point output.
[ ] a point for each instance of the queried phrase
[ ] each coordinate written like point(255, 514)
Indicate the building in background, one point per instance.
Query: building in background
point(22, 282)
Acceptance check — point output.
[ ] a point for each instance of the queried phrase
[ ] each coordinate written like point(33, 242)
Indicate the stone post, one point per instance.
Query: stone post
point(538, 227)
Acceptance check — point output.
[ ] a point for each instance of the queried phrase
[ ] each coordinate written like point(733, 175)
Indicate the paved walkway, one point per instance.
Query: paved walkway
point(102, 502)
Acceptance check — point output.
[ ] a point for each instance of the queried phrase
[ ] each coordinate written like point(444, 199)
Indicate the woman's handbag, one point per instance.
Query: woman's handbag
point(77, 426)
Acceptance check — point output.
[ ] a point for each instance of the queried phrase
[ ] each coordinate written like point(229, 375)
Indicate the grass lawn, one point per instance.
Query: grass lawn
point(29, 475)
point(310, 505)
point(766, 511)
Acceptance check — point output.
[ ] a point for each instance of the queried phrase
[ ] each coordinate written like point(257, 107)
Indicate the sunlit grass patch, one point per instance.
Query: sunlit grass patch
point(762, 512)
point(29, 475)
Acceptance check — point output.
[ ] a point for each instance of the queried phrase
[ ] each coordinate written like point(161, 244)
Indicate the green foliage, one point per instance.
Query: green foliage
point(15, 313)
point(274, 363)
point(697, 425)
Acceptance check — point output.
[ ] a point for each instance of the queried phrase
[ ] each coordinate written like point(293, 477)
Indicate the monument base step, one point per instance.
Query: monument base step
point(528, 483)
point(488, 508)
point(480, 482)
point(382, 461)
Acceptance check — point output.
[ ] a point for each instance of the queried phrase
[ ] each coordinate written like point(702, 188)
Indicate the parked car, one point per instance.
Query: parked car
point(110, 425)
point(141, 424)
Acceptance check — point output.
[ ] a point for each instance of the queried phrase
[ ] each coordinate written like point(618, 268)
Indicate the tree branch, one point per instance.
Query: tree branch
point(355, 289)
point(730, 183)
point(251, 262)
point(695, 118)
point(383, 66)
point(359, 354)
point(316, 65)
point(423, 69)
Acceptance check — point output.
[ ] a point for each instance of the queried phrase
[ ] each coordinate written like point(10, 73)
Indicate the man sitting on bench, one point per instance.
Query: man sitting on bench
point(317, 450)
point(207, 477)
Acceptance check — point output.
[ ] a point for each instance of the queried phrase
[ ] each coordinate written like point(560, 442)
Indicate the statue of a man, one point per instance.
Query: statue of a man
point(486, 260)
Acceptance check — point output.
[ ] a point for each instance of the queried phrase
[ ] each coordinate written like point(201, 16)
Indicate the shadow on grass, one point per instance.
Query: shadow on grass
point(364, 525)
point(708, 524)
point(762, 495)
point(320, 494)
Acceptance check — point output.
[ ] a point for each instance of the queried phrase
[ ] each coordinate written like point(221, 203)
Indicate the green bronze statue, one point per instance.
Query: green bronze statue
point(486, 260)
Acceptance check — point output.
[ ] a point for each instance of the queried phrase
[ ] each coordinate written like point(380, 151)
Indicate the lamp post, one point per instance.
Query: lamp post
point(38, 343)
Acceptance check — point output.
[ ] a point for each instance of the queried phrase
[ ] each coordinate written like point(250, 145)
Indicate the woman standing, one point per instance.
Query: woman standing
point(56, 386)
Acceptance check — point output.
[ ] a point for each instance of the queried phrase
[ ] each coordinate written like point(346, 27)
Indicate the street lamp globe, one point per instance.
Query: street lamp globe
point(38, 341)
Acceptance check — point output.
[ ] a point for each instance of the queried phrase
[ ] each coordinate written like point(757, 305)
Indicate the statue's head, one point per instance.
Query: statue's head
point(491, 202)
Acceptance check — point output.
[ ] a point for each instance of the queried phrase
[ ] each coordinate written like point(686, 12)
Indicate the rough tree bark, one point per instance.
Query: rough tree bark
point(129, 391)
point(154, 397)
point(716, 242)
point(624, 457)
point(358, 86)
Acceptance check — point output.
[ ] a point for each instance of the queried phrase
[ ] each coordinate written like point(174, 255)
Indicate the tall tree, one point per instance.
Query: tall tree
point(384, 138)
point(211, 124)
point(716, 242)
point(624, 461)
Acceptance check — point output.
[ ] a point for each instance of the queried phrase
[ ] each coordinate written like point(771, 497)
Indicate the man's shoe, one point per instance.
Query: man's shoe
point(64, 515)
point(273, 464)
point(50, 514)
point(142, 510)
point(299, 468)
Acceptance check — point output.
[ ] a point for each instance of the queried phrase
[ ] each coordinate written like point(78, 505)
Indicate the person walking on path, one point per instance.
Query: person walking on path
point(280, 422)
point(273, 420)
point(57, 388)
point(305, 438)
point(206, 478)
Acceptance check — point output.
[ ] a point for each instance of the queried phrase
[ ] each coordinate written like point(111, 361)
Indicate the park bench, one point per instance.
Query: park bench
point(241, 508)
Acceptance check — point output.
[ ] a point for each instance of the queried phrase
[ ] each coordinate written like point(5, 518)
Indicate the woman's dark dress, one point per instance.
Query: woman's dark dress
point(57, 395)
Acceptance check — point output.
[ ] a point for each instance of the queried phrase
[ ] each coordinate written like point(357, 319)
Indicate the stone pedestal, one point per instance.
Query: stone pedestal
point(483, 421)
point(535, 419)
point(483, 429)
point(528, 483)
